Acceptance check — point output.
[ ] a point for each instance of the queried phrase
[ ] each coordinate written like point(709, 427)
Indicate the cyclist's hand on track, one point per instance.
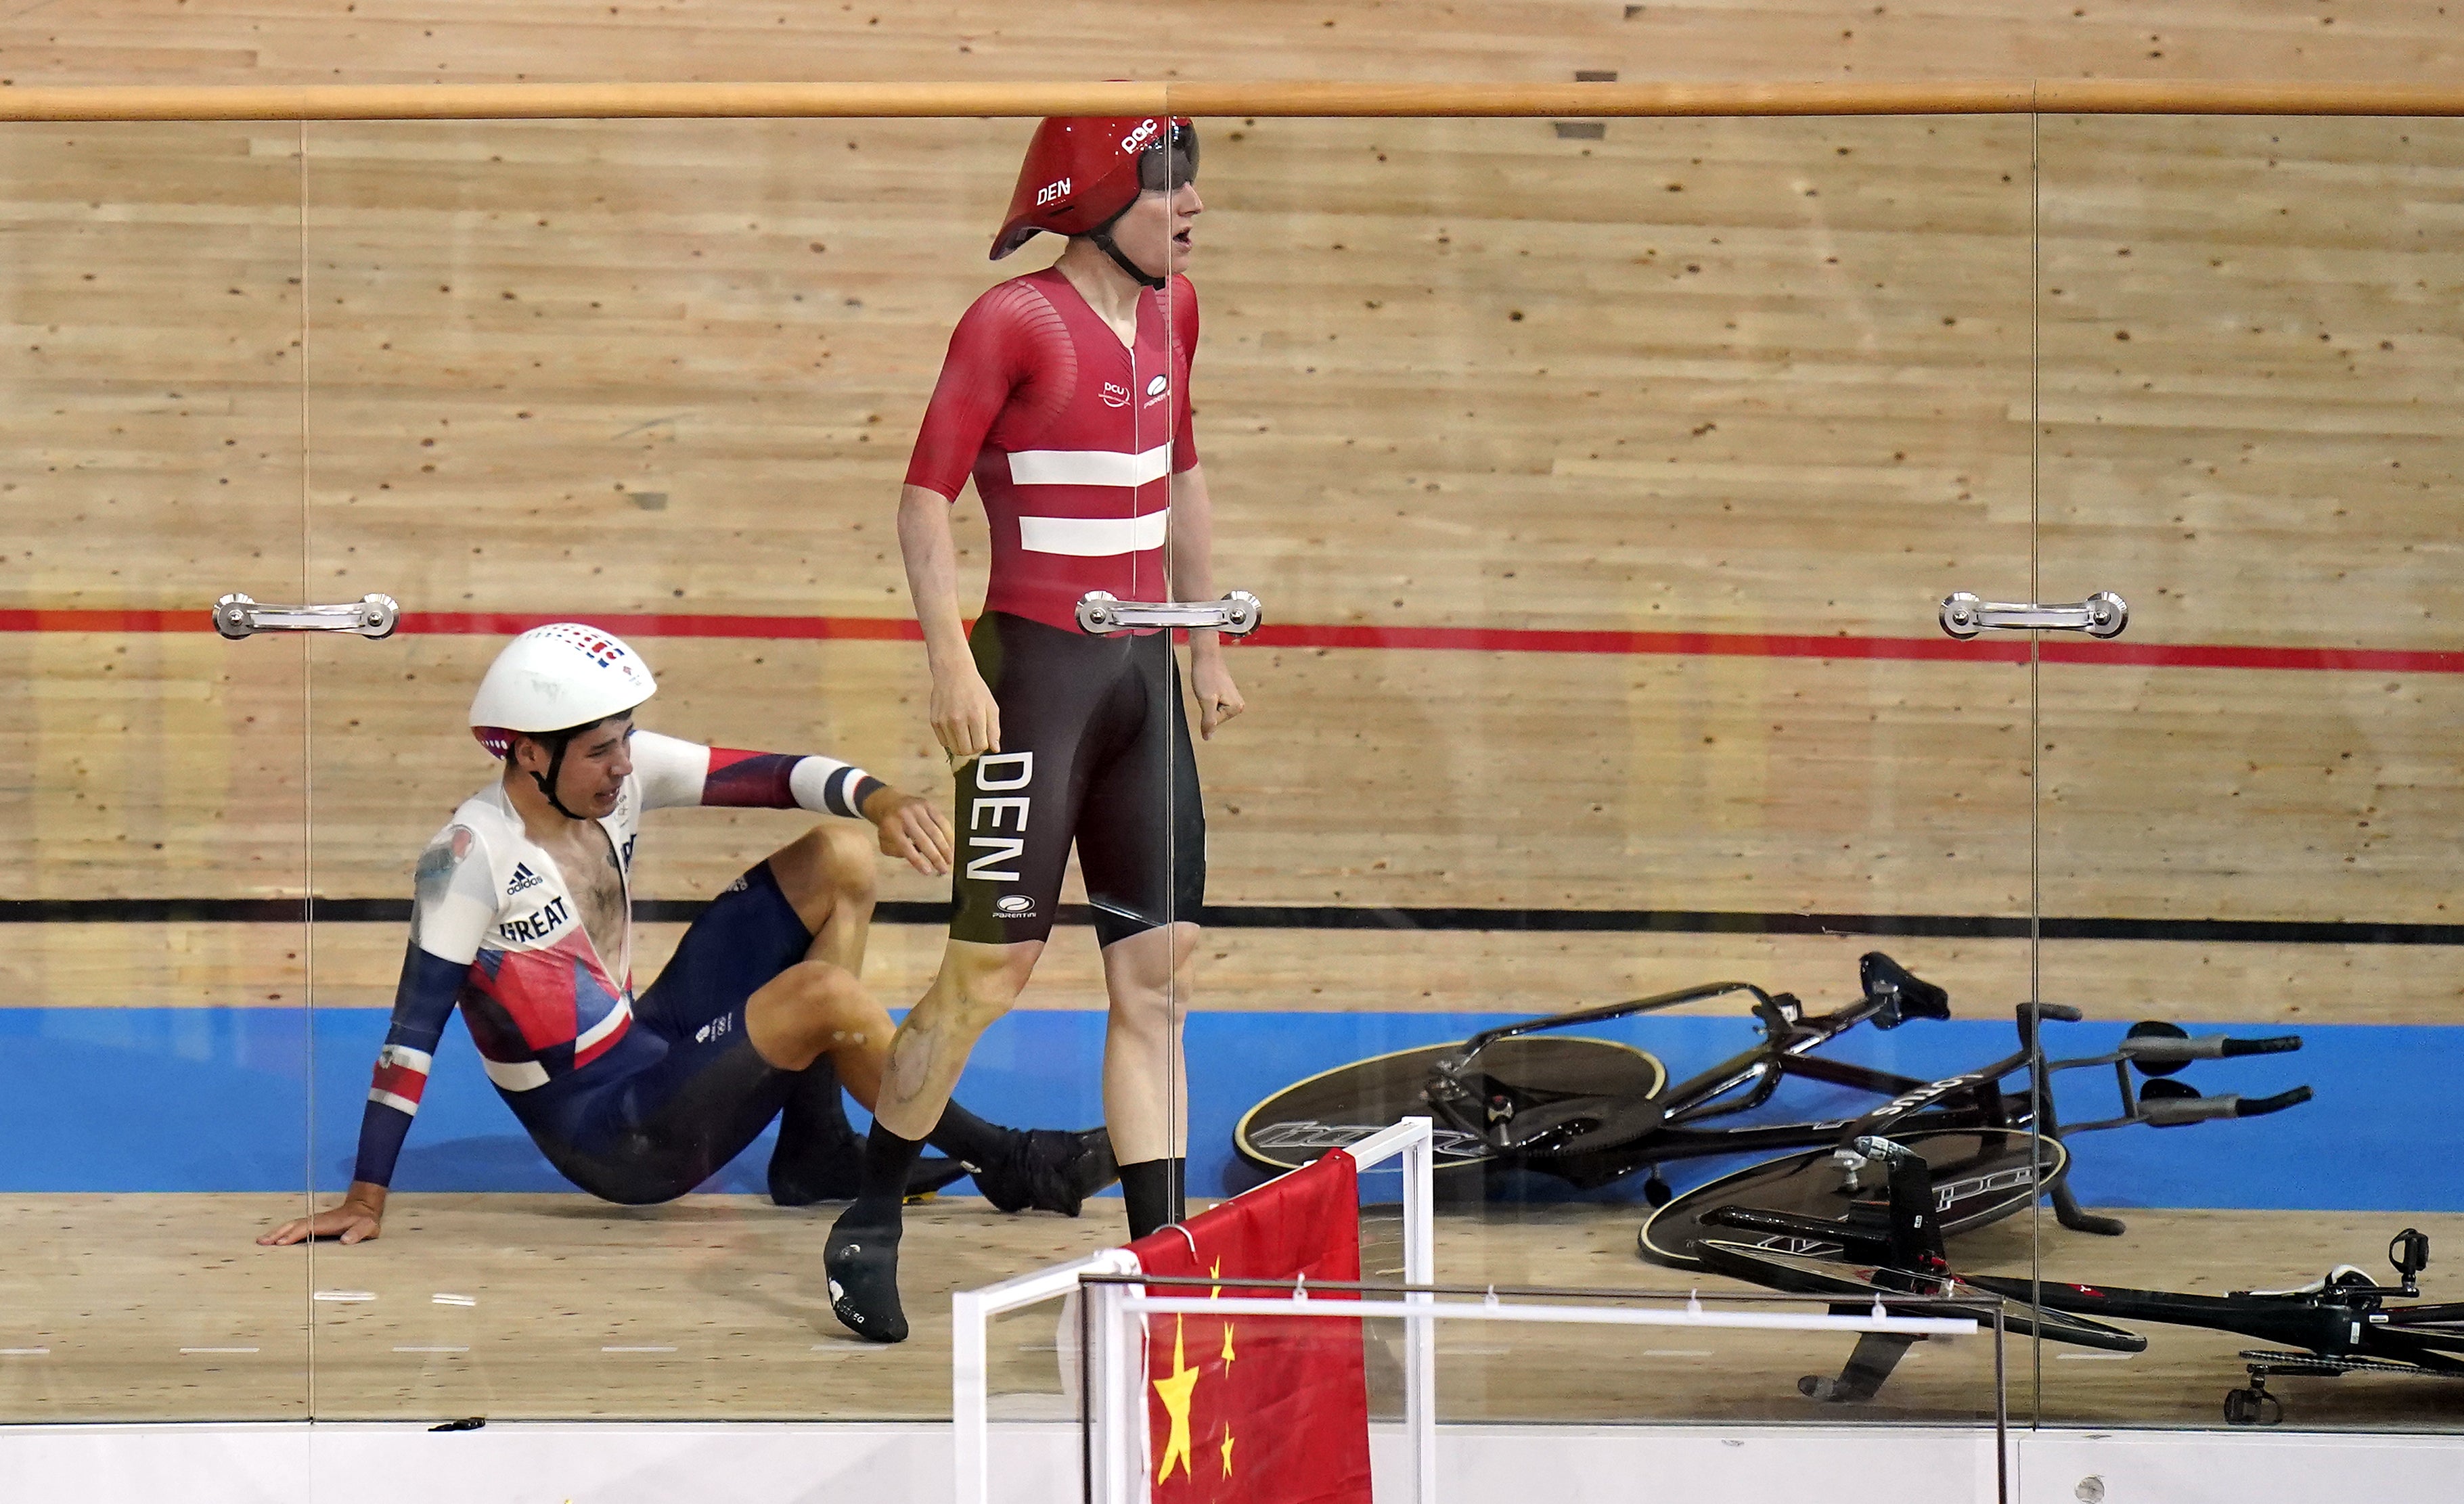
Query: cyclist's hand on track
point(1219, 698)
point(912, 830)
point(354, 1221)
point(965, 717)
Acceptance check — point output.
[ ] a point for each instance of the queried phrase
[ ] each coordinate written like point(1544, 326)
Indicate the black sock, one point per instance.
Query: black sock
point(819, 1157)
point(886, 1157)
point(962, 1135)
point(1152, 1191)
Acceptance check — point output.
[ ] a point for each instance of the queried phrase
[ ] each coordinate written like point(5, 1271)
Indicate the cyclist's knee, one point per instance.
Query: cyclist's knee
point(833, 863)
point(1149, 960)
point(848, 860)
point(825, 997)
point(979, 983)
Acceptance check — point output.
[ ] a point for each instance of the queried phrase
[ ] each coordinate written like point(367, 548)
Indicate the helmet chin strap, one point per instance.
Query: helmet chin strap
point(547, 780)
point(1102, 235)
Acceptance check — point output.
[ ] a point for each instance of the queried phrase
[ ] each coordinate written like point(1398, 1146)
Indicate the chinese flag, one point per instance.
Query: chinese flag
point(1262, 1409)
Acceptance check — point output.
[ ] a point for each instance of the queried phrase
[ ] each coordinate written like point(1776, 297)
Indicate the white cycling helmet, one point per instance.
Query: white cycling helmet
point(557, 678)
point(551, 682)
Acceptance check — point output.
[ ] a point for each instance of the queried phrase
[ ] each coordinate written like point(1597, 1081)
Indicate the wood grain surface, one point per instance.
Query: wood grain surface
point(713, 1307)
point(303, 42)
point(1732, 377)
point(1740, 377)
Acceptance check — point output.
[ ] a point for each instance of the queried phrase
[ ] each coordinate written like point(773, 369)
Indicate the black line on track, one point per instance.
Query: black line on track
point(1252, 916)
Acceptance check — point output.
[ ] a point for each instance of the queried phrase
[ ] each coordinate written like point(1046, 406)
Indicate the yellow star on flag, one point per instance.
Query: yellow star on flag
point(1217, 1273)
point(1175, 1393)
point(1227, 1448)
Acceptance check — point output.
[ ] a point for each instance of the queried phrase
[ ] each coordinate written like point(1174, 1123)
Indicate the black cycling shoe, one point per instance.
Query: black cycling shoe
point(862, 1263)
point(1046, 1170)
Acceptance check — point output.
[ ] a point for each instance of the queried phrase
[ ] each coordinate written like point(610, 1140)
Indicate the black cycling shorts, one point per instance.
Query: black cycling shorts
point(1095, 750)
point(684, 1091)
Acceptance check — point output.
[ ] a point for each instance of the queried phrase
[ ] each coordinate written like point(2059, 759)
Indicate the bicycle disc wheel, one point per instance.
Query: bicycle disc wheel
point(1980, 1175)
point(1804, 1274)
point(1346, 1104)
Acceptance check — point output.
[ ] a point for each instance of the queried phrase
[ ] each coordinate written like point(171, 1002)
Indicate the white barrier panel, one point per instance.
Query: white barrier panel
point(1119, 1313)
point(759, 1463)
point(971, 1312)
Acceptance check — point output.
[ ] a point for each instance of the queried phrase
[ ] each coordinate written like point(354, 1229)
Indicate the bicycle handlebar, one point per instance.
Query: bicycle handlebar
point(2164, 1050)
point(2173, 1112)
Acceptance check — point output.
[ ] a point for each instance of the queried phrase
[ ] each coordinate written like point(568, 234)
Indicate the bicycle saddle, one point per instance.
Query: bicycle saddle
point(1898, 993)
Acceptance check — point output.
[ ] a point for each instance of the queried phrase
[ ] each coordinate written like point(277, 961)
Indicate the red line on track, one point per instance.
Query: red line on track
point(1441, 639)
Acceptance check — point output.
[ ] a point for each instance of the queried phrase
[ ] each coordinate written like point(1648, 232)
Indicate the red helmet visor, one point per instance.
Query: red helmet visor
point(1169, 163)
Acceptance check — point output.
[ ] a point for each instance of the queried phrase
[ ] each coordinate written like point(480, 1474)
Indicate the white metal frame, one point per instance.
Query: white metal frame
point(1118, 1316)
point(972, 1311)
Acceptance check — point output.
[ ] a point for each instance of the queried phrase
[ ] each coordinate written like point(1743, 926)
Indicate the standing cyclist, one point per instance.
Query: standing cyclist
point(523, 920)
point(1065, 396)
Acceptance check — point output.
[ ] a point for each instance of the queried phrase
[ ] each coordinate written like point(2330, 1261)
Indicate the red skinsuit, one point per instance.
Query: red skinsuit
point(1070, 436)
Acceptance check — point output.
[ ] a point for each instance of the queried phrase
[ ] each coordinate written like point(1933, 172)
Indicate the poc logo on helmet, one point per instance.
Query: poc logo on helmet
point(1051, 192)
point(1139, 136)
point(1014, 903)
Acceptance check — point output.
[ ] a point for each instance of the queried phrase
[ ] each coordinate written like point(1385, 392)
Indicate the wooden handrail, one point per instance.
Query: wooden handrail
point(2157, 97)
point(2005, 97)
point(554, 101)
point(1440, 101)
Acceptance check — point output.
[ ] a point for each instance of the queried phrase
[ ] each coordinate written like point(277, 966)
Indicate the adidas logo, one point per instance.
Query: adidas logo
point(523, 878)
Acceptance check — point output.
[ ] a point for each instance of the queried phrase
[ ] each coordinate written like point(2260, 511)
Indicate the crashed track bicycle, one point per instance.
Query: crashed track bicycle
point(1529, 1096)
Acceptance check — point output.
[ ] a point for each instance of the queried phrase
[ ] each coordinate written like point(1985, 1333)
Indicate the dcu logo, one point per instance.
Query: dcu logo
point(1115, 395)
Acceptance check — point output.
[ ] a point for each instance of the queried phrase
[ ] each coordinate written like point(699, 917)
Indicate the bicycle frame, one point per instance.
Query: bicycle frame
point(1969, 1100)
point(2340, 1325)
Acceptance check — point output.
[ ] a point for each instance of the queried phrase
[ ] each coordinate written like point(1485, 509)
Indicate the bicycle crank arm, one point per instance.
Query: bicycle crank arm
point(1854, 1242)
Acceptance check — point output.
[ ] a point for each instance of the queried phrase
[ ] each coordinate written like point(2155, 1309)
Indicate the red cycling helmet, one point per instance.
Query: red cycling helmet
point(1084, 171)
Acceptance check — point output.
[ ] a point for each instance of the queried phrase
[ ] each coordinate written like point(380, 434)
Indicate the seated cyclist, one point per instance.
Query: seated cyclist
point(523, 918)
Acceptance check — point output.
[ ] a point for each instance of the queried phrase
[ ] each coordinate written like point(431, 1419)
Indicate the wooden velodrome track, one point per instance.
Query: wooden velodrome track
point(1744, 379)
point(1735, 378)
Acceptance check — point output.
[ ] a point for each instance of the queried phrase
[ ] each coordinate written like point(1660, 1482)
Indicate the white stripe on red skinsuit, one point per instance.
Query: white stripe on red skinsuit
point(1092, 538)
point(1088, 467)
